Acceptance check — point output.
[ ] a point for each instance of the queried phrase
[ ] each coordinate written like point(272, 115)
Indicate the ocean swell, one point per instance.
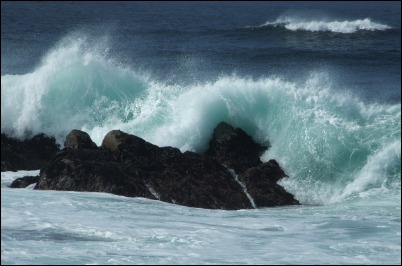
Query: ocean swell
point(331, 144)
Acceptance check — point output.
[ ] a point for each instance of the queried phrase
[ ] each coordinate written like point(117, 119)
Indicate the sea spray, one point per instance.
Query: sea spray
point(341, 152)
point(75, 83)
point(152, 190)
point(324, 138)
point(380, 168)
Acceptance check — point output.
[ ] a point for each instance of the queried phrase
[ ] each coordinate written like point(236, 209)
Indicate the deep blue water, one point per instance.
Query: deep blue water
point(319, 81)
point(187, 41)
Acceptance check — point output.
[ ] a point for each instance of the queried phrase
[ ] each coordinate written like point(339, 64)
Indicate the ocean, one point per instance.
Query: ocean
point(318, 82)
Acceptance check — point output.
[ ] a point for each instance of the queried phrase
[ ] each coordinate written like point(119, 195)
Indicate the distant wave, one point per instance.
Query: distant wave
point(345, 26)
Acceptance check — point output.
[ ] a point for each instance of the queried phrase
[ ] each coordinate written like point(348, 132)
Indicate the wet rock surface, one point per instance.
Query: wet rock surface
point(23, 182)
point(30, 154)
point(129, 166)
point(78, 139)
point(234, 148)
point(261, 182)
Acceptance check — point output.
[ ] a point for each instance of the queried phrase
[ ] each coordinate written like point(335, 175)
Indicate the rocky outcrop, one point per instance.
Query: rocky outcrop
point(90, 170)
point(128, 165)
point(78, 139)
point(261, 182)
point(23, 182)
point(30, 154)
point(234, 148)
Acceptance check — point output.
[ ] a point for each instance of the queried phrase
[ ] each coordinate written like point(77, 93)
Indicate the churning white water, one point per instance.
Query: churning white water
point(55, 227)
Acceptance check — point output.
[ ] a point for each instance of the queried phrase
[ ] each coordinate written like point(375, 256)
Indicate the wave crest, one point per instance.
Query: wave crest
point(329, 142)
point(345, 26)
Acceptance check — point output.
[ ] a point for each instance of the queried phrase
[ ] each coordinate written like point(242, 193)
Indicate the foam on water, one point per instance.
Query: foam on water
point(331, 144)
point(345, 26)
point(8, 177)
point(341, 153)
point(42, 227)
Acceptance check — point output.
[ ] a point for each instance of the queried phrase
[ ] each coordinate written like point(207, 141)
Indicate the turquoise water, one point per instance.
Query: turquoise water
point(332, 144)
point(319, 83)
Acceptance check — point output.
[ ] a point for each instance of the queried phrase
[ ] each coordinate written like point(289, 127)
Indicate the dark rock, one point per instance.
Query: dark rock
point(78, 139)
point(261, 182)
point(132, 150)
point(128, 165)
point(30, 154)
point(120, 142)
point(114, 139)
point(193, 180)
point(234, 148)
point(91, 170)
point(23, 182)
point(7, 166)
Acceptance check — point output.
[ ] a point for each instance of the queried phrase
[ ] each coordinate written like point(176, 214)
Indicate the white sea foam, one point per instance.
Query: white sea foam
point(376, 171)
point(322, 137)
point(8, 177)
point(342, 26)
point(97, 228)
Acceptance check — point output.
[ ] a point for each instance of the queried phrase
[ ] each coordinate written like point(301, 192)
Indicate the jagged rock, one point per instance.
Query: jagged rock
point(193, 180)
point(234, 148)
point(261, 182)
point(30, 154)
point(23, 182)
point(91, 170)
point(128, 165)
point(78, 139)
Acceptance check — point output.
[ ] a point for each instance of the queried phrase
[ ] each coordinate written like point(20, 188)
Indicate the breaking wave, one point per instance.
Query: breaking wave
point(332, 145)
point(345, 26)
